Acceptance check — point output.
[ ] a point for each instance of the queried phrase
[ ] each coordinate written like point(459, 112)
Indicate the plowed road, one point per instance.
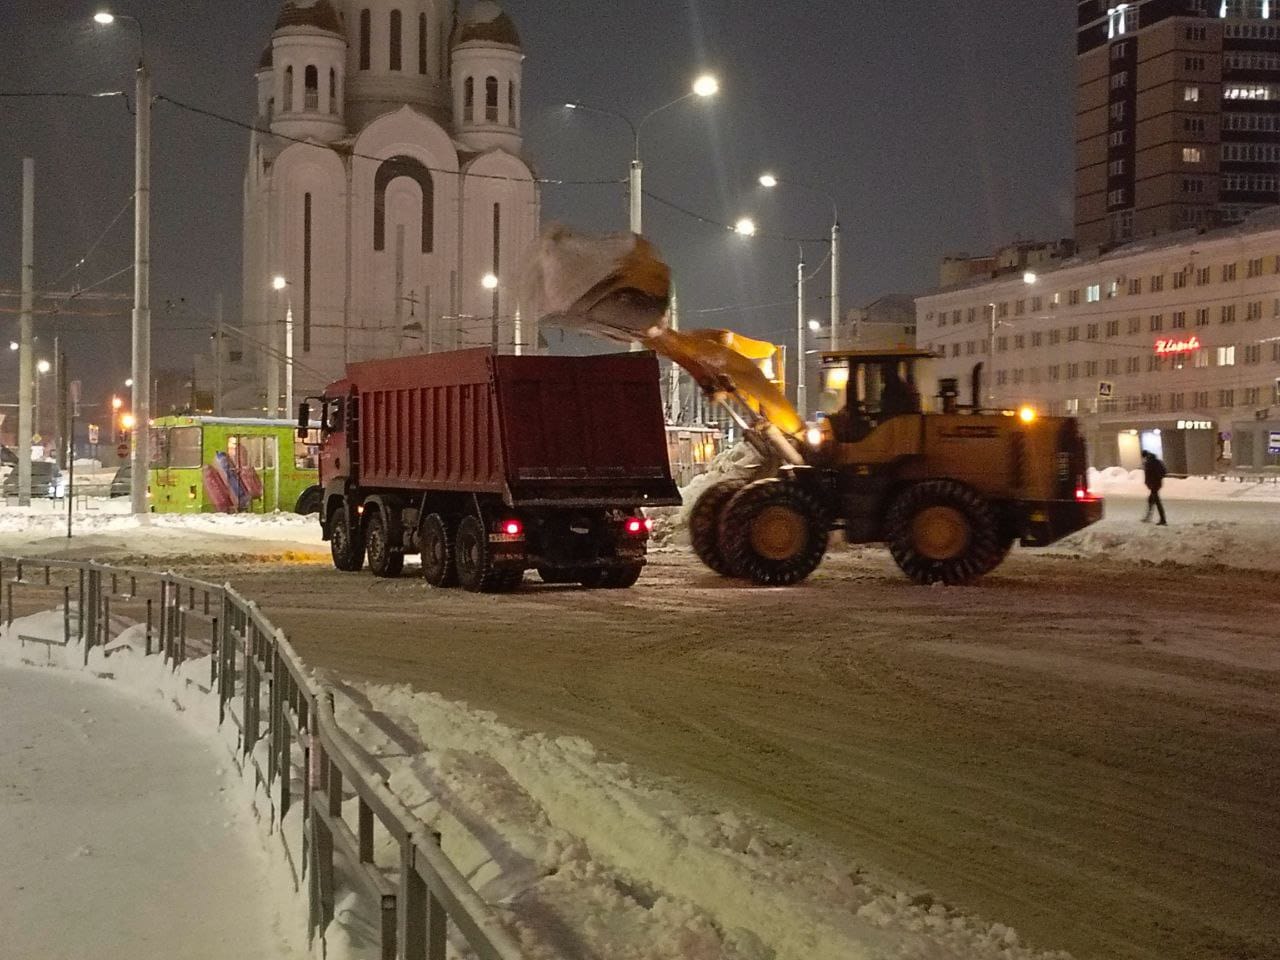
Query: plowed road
point(1087, 751)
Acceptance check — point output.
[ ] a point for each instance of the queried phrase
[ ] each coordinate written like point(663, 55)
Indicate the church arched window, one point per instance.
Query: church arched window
point(333, 90)
point(491, 99)
point(422, 44)
point(396, 41)
point(415, 170)
point(365, 25)
point(469, 99)
point(311, 87)
point(288, 89)
point(511, 104)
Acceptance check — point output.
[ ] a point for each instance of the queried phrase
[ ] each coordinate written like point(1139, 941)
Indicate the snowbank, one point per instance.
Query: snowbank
point(740, 461)
point(589, 859)
point(1119, 481)
point(128, 826)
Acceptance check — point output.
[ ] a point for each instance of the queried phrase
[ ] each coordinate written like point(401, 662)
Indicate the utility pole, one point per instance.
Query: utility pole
point(673, 398)
point(26, 354)
point(273, 359)
point(140, 452)
point(835, 284)
point(801, 399)
point(58, 434)
point(218, 349)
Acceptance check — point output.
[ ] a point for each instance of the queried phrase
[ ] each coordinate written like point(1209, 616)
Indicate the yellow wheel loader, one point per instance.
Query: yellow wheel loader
point(950, 487)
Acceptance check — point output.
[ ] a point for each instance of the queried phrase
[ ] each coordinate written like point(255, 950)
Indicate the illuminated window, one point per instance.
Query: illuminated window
point(1192, 155)
point(1227, 356)
point(1120, 20)
point(1191, 94)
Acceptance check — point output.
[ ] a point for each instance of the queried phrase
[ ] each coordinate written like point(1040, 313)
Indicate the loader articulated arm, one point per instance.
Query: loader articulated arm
point(617, 286)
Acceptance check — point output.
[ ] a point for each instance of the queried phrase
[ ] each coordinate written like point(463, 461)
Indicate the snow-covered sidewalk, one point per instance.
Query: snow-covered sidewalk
point(123, 830)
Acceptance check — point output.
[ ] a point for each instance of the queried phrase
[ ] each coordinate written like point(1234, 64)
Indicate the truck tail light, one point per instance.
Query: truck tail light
point(636, 526)
point(512, 528)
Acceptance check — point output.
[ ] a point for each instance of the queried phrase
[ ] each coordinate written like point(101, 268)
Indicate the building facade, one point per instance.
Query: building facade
point(1177, 115)
point(385, 183)
point(1163, 345)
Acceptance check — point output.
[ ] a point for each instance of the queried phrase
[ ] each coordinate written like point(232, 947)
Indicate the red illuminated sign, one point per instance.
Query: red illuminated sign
point(1190, 345)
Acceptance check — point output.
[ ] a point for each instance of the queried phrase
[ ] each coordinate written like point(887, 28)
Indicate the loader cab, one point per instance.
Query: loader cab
point(864, 389)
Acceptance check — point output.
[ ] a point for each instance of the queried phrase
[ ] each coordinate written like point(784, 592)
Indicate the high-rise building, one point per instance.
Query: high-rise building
point(1177, 115)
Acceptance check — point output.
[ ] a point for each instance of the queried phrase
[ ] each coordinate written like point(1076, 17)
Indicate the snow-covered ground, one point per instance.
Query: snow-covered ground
point(125, 830)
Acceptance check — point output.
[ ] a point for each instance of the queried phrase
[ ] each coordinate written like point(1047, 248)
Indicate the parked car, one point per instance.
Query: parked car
point(46, 481)
point(122, 482)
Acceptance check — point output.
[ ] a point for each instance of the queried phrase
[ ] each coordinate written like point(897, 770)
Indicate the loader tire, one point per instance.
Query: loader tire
point(704, 524)
point(941, 531)
point(385, 560)
point(346, 542)
point(438, 567)
point(774, 533)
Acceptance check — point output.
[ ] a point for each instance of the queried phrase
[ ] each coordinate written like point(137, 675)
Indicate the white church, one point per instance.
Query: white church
point(390, 193)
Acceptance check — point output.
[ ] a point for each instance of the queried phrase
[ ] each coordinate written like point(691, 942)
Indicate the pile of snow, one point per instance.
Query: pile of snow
point(127, 830)
point(1117, 481)
point(670, 524)
point(587, 858)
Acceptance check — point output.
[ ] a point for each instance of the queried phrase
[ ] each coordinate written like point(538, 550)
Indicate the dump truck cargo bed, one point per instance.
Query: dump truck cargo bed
point(535, 430)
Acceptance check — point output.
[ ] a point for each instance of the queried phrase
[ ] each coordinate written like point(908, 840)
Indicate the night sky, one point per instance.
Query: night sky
point(939, 127)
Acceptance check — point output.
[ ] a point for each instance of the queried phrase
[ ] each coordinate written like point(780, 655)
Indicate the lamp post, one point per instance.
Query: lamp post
point(42, 367)
point(705, 86)
point(279, 283)
point(769, 181)
point(140, 454)
point(490, 282)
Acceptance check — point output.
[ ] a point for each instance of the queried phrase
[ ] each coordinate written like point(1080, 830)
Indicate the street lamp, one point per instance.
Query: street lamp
point(703, 87)
point(42, 366)
point(140, 454)
point(769, 181)
point(745, 227)
point(14, 345)
point(281, 284)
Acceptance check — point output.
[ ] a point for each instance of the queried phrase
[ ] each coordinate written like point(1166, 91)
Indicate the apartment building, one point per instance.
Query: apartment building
point(1170, 344)
point(1177, 115)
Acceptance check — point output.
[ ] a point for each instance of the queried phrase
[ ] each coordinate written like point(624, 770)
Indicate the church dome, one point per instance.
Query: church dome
point(487, 23)
point(265, 61)
point(309, 13)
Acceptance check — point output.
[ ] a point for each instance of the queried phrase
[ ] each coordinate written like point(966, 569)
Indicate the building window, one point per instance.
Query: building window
point(512, 116)
point(396, 41)
point(1180, 279)
point(469, 99)
point(1119, 80)
point(1117, 111)
point(1251, 353)
point(1153, 364)
point(1020, 308)
point(1073, 298)
point(1229, 313)
point(491, 99)
point(1227, 356)
point(972, 315)
point(1179, 320)
point(1226, 398)
point(1135, 325)
point(1191, 94)
point(1135, 286)
point(1195, 34)
point(1157, 284)
point(1002, 344)
point(1251, 91)
point(1036, 304)
point(1133, 365)
point(1120, 19)
point(1252, 396)
point(1254, 268)
point(1091, 368)
point(1192, 185)
point(955, 349)
point(1055, 337)
point(1193, 64)
point(311, 88)
point(1250, 152)
point(365, 39)
point(1116, 138)
point(955, 318)
point(1112, 366)
point(1019, 341)
point(1091, 332)
point(1115, 168)
point(1073, 334)
point(422, 44)
point(1251, 122)
point(1228, 272)
point(1055, 372)
point(1176, 401)
point(414, 169)
point(1037, 339)
point(288, 89)
point(1073, 371)
point(1003, 309)
point(1193, 125)
point(1203, 276)
point(1202, 317)
point(1156, 323)
point(1113, 328)
point(1192, 155)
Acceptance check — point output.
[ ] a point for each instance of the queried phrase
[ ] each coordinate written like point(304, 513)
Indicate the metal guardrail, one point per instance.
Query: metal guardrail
point(288, 736)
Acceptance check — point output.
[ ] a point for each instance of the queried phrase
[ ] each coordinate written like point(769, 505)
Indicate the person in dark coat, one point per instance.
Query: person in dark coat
point(1153, 474)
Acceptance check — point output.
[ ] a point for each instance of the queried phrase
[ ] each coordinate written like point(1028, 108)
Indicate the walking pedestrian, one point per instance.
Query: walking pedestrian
point(1153, 474)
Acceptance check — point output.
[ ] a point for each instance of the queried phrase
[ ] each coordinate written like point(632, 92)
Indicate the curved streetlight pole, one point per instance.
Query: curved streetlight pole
point(140, 448)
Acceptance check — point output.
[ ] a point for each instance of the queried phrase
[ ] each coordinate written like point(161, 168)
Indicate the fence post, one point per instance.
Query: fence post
point(411, 904)
point(437, 919)
point(214, 649)
point(66, 615)
point(148, 637)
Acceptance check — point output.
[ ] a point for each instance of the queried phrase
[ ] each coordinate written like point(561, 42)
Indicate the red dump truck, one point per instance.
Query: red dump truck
point(488, 465)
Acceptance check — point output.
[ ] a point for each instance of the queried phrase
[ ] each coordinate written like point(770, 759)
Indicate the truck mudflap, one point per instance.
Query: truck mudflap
point(1043, 522)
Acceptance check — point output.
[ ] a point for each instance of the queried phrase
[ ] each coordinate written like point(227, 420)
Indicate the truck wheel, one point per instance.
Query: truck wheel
point(704, 524)
point(474, 559)
point(309, 501)
point(437, 552)
point(941, 531)
point(345, 544)
point(384, 560)
point(774, 533)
